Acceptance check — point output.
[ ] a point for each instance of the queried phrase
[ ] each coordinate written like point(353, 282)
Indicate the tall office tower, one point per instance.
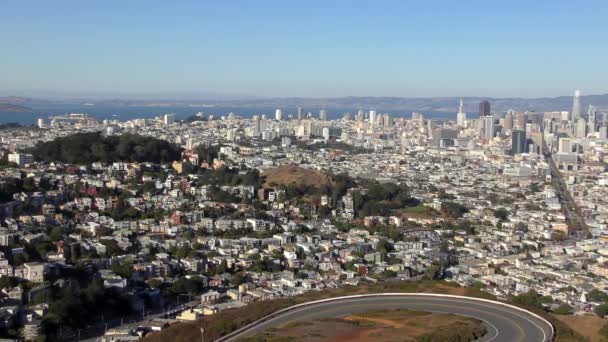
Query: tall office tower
point(592, 119)
point(508, 121)
point(168, 119)
point(520, 120)
point(300, 113)
point(576, 106)
point(484, 108)
point(564, 145)
point(580, 129)
point(372, 117)
point(535, 118)
point(444, 137)
point(360, 115)
point(429, 127)
point(550, 125)
point(387, 120)
point(257, 125)
point(487, 125)
point(461, 116)
point(323, 115)
point(603, 132)
point(278, 114)
point(40, 123)
point(518, 142)
point(325, 133)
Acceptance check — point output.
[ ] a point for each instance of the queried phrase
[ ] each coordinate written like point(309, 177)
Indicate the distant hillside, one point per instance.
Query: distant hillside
point(439, 104)
point(291, 174)
point(9, 107)
point(337, 105)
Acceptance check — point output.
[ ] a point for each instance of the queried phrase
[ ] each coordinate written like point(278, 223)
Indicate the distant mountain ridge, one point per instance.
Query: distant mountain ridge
point(352, 103)
point(13, 108)
point(448, 104)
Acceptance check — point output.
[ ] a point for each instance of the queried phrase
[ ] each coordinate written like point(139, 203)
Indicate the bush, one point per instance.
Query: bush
point(601, 310)
point(563, 309)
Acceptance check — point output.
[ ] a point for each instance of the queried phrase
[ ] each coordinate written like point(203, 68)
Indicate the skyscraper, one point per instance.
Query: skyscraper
point(323, 115)
point(576, 106)
point(372, 117)
point(592, 119)
point(300, 113)
point(484, 108)
point(580, 128)
point(461, 116)
point(360, 115)
point(487, 127)
point(520, 120)
point(508, 121)
point(564, 145)
point(278, 114)
point(168, 119)
point(387, 120)
point(518, 142)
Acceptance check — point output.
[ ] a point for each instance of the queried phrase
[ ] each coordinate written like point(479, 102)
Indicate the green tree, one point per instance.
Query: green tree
point(384, 246)
point(123, 269)
point(563, 309)
point(501, 214)
point(56, 234)
point(597, 296)
point(530, 298)
point(601, 310)
point(154, 283)
point(6, 282)
point(433, 272)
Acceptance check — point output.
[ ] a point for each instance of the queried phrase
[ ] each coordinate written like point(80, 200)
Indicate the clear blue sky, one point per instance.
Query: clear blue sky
point(305, 48)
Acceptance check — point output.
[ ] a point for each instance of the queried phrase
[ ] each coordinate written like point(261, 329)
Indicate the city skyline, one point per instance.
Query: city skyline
point(309, 50)
point(319, 170)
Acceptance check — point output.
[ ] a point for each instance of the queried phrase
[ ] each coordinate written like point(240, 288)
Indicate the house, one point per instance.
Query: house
point(190, 315)
point(210, 297)
point(34, 271)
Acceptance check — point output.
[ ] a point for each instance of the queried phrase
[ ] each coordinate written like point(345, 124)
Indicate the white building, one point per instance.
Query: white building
point(168, 119)
point(487, 127)
point(323, 115)
point(372, 117)
point(20, 159)
point(461, 117)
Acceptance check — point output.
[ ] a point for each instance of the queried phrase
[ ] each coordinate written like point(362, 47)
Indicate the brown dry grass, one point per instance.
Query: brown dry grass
point(299, 176)
point(391, 325)
point(587, 325)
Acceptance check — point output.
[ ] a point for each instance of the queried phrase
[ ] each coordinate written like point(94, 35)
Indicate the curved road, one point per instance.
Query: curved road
point(502, 322)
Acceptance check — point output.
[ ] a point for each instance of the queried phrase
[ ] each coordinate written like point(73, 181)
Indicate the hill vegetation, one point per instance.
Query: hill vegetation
point(85, 148)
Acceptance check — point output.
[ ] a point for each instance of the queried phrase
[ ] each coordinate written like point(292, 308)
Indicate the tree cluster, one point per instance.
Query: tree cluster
point(382, 198)
point(85, 148)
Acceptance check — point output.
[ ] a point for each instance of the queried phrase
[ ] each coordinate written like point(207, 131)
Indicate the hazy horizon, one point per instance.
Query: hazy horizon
point(208, 96)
